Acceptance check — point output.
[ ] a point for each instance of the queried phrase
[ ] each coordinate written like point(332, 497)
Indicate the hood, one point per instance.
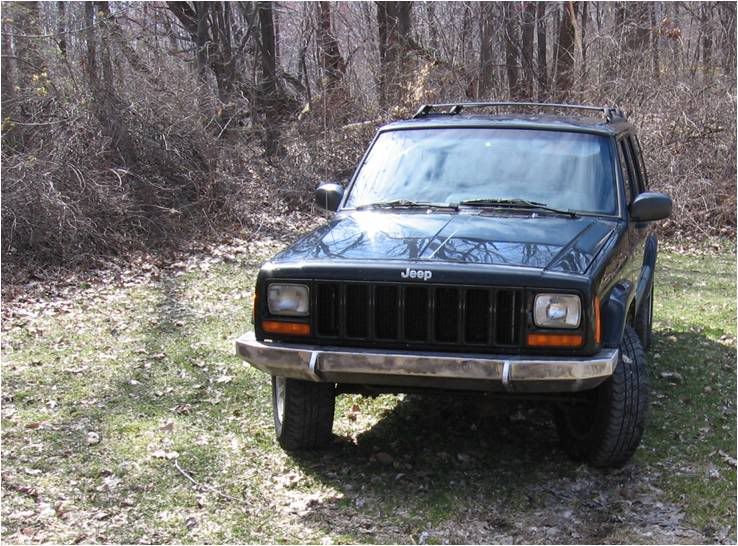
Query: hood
point(554, 243)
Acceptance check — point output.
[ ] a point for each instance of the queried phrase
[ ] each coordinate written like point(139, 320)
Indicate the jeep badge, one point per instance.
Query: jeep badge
point(423, 274)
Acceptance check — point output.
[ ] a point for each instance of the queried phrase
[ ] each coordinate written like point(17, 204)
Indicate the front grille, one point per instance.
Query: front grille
point(419, 315)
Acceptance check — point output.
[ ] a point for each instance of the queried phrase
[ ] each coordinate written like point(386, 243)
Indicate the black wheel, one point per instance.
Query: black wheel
point(303, 413)
point(644, 321)
point(605, 428)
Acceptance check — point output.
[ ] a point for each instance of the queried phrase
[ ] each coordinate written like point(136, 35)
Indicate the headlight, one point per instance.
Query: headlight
point(557, 311)
point(288, 299)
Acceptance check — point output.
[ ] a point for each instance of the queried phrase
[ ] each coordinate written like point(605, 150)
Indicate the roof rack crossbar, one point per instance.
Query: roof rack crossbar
point(454, 108)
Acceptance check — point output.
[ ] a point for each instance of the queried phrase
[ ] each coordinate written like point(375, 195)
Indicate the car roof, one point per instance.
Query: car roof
point(585, 124)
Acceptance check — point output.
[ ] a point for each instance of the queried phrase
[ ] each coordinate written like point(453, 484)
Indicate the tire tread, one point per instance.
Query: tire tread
point(308, 415)
point(620, 411)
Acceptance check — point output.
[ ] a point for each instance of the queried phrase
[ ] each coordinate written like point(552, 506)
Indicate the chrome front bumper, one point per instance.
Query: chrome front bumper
point(425, 369)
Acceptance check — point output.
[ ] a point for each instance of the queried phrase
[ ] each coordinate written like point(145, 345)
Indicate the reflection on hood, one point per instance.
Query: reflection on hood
point(544, 242)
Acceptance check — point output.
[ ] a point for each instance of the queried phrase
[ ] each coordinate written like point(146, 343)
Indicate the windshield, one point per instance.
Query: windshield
point(565, 170)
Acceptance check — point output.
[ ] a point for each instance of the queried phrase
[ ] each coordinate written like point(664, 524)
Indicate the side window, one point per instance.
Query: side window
point(638, 155)
point(627, 170)
point(633, 158)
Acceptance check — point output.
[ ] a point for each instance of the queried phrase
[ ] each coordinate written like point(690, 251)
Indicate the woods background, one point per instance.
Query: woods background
point(129, 125)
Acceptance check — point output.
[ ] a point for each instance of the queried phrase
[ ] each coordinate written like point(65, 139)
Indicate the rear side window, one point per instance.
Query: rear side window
point(640, 165)
point(627, 171)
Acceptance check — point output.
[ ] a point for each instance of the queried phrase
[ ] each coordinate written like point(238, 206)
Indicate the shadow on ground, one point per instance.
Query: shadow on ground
point(447, 469)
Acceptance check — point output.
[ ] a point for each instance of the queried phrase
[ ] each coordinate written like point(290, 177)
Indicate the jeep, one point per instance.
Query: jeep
point(478, 247)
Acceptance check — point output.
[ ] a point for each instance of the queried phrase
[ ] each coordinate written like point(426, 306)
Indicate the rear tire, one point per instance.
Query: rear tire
point(606, 429)
point(303, 413)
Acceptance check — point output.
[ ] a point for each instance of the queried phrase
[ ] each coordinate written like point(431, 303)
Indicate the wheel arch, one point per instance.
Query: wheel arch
point(618, 309)
point(646, 278)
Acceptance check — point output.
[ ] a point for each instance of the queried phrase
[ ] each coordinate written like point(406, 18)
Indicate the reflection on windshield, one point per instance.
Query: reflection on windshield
point(561, 169)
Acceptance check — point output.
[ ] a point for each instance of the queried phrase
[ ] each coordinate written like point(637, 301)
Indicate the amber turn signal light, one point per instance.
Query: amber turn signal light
point(555, 340)
point(598, 326)
point(290, 328)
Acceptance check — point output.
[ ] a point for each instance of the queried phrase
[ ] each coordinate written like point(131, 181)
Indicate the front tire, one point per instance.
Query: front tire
point(303, 413)
point(606, 428)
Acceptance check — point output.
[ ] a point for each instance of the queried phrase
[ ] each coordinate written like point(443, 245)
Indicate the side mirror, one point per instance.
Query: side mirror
point(328, 196)
point(650, 206)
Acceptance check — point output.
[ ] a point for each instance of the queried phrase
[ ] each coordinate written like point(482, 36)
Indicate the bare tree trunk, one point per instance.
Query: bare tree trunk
point(105, 60)
point(582, 41)
point(194, 19)
point(465, 30)
point(566, 50)
point(511, 47)
point(486, 55)
point(61, 27)
point(268, 83)
point(90, 62)
point(331, 61)
point(202, 37)
point(655, 42)
point(305, 35)
point(528, 20)
point(277, 35)
point(31, 63)
point(393, 21)
point(430, 11)
point(7, 84)
point(706, 35)
point(221, 58)
point(385, 50)
point(728, 22)
point(541, 57)
point(635, 22)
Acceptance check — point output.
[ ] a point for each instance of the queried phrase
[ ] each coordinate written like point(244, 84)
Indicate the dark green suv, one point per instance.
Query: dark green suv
point(507, 253)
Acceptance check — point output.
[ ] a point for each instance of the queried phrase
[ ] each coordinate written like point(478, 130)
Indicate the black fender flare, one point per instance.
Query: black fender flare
point(645, 279)
point(617, 304)
point(615, 313)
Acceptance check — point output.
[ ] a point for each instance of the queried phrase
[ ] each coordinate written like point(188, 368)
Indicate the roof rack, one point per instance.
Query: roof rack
point(610, 113)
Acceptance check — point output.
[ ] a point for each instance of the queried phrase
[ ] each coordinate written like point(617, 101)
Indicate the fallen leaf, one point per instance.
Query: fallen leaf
point(161, 454)
point(24, 489)
point(182, 409)
point(111, 482)
point(167, 427)
point(672, 377)
point(463, 457)
point(727, 458)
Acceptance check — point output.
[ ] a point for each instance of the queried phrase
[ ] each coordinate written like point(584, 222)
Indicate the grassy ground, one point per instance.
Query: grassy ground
point(126, 418)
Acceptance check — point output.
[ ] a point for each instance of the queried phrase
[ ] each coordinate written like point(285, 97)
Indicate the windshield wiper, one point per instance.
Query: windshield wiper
point(404, 203)
point(515, 203)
